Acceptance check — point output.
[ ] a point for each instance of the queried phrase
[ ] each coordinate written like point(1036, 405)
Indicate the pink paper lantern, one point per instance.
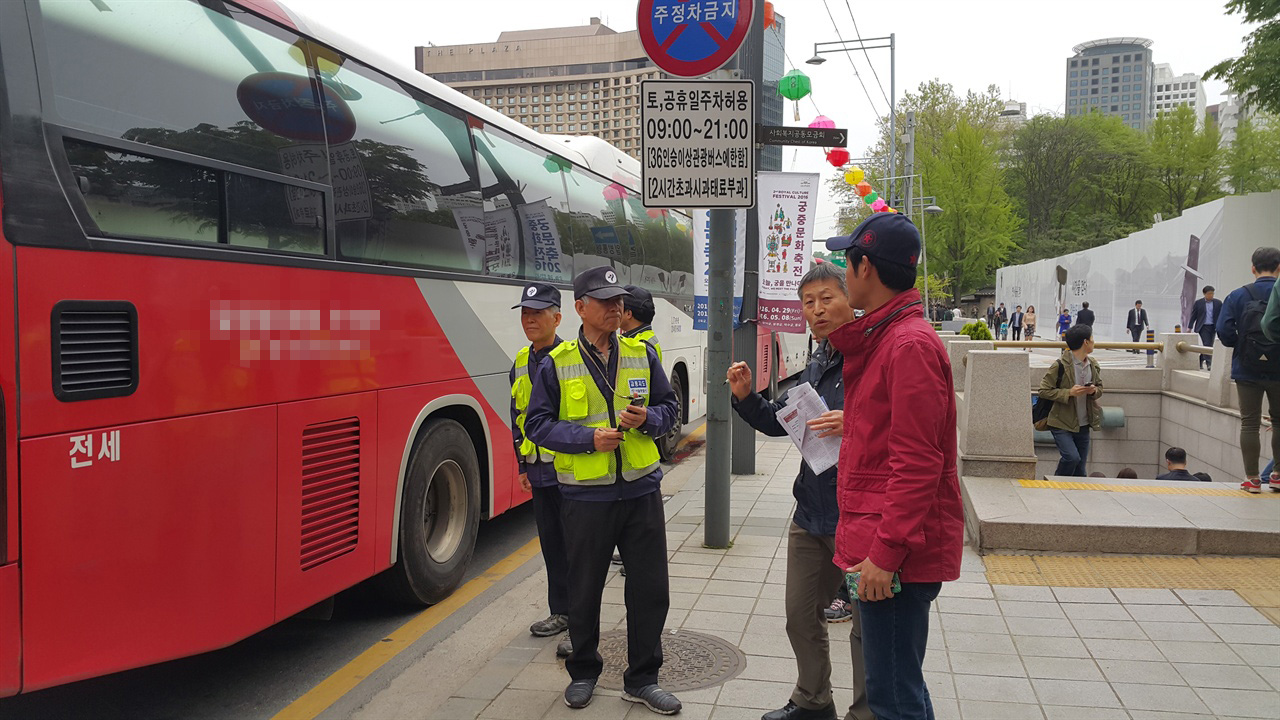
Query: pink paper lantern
point(879, 205)
point(822, 121)
point(614, 191)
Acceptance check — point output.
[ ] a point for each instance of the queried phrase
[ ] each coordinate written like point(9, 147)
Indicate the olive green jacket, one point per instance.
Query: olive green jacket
point(1063, 415)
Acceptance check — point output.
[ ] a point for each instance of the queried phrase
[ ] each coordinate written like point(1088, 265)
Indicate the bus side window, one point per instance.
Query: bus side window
point(403, 173)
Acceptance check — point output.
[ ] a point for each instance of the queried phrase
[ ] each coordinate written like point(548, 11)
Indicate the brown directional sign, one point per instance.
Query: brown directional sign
point(803, 136)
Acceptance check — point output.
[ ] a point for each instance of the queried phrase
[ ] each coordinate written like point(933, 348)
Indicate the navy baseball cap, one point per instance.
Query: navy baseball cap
point(598, 282)
point(888, 236)
point(639, 299)
point(538, 296)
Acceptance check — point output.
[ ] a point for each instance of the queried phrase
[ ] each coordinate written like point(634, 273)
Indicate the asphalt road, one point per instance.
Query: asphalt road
point(259, 676)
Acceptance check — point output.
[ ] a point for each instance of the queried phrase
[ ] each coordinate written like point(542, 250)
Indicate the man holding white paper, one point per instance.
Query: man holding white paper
point(812, 577)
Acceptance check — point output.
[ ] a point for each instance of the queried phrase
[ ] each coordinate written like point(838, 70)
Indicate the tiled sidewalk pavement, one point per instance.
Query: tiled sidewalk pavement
point(995, 651)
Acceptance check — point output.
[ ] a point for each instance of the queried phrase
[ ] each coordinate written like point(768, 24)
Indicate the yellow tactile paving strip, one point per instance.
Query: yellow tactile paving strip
point(1255, 579)
point(1137, 571)
point(1151, 489)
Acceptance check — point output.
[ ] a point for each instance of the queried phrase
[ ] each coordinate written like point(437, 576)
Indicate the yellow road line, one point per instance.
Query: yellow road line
point(1195, 489)
point(694, 434)
point(332, 688)
point(1208, 572)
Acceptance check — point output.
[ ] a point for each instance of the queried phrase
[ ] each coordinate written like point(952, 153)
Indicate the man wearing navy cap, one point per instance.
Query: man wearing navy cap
point(598, 403)
point(539, 317)
point(638, 310)
point(901, 519)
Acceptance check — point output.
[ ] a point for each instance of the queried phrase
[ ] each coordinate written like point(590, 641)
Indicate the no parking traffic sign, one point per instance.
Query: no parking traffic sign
point(692, 38)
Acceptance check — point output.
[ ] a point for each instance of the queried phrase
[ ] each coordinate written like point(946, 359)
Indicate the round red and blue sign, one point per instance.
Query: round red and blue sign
point(692, 38)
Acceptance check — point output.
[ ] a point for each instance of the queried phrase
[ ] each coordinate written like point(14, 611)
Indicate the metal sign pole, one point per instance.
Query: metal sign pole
point(719, 408)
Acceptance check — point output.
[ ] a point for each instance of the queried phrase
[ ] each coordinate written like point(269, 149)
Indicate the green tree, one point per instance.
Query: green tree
point(1049, 166)
point(1253, 160)
point(979, 229)
point(1188, 166)
point(1255, 75)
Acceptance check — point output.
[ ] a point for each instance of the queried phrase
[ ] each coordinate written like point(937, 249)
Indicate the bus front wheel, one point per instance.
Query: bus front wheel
point(439, 516)
point(667, 443)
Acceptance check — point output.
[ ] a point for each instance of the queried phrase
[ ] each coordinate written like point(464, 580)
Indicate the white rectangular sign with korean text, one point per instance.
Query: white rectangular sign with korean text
point(698, 143)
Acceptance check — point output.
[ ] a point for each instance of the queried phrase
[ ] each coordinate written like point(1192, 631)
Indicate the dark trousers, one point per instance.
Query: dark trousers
point(895, 633)
point(1251, 394)
point(1206, 339)
point(1017, 332)
point(1073, 451)
point(637, 527)
point(1137, 336)
point(546, 512)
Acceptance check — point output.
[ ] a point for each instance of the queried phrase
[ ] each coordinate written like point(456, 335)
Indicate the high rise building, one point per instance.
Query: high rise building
point(579, 80)
point(1112, 76)
point(1014, 114)
point(1230, 112)
point(1173, 91)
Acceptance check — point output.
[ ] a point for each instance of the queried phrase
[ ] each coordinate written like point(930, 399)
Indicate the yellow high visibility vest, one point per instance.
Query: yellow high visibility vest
point(582, 403)
point(649, 336)
point(521, 389)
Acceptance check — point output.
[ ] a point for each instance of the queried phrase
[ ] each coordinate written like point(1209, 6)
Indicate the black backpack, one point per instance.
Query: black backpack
point(1040, 411)
point(1257, 353)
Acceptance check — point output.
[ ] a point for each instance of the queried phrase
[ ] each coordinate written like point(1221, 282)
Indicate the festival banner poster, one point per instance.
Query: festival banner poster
point(471, 226)
point(500, 242)
point(702, 265)
point(787, 205)
point(541, 242)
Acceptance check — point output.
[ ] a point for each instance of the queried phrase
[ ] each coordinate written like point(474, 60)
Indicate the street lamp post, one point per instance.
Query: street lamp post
point(924, 256)
point(862, 44)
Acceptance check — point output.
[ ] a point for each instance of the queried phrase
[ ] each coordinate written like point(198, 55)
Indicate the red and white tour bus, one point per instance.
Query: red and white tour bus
point(258, 283)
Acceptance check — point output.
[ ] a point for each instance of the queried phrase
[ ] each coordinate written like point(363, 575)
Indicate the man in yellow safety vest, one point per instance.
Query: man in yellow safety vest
point(598, 403)
point(637, 317)
point(539, 317)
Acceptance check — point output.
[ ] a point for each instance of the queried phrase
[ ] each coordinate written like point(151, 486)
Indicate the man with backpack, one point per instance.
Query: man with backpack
point(1255, 361)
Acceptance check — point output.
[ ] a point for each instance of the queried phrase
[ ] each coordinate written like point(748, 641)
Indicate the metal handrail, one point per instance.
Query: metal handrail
point(1185, 347)
point(1158, 347)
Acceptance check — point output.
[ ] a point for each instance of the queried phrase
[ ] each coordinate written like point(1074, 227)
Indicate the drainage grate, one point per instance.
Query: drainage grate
point(690, 661)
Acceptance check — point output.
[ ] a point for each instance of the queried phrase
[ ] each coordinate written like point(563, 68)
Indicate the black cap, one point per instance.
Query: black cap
point(888, 236)
point(640, 299)
point(538, 296)
point(598, 282)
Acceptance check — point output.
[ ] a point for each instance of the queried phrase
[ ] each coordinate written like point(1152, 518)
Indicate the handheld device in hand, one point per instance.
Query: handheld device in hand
point(851, 582)
point(637, 401)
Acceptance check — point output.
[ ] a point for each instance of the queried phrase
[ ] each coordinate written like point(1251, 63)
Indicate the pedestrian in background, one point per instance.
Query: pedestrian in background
point(901, 522)
point(1255, 361)
point(598, 402)
point(812, 576)
point(1175, 460)
point(1064, 322)
point(1073, 384)
point(1204, 320)
point(637, 317)
point(1015, 322)
point(991, 317)
point(1137, 322)
point(1029, 322)
point(539, 317)
point(1085, 316)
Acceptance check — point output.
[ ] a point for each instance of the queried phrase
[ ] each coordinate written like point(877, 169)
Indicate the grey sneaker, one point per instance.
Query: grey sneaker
point(553, 625)
point(654, 698)
point(578, 694)
point(564, 648)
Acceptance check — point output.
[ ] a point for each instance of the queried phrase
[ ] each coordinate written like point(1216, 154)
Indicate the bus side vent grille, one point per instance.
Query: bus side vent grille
point(95, 349)
point(330, 491)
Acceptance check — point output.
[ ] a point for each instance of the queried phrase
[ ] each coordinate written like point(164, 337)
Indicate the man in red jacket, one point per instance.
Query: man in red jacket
point(899, 495)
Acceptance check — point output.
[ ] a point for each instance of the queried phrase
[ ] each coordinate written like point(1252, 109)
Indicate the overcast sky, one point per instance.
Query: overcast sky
point(1018, 45)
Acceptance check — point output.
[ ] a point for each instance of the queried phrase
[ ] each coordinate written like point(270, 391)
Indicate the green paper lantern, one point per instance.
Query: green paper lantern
point(870, 197)
point(794, 85)
point(556, 164)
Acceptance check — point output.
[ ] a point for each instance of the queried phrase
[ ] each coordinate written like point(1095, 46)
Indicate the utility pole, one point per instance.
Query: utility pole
point(751, 65)
point(719, 408)
point(909, 170)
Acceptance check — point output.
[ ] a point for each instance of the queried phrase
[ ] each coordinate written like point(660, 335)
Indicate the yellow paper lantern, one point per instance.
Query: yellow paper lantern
point(855, 175)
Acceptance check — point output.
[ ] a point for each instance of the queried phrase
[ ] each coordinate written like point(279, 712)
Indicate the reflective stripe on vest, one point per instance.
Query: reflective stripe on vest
point(582, 403)
point(650, 337)
point(521, 389)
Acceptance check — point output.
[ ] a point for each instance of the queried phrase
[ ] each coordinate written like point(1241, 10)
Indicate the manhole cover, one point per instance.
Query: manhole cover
point(690, 660)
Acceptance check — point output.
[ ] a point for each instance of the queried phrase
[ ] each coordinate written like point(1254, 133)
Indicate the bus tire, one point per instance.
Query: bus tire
point(667, 443)
point(439, 516)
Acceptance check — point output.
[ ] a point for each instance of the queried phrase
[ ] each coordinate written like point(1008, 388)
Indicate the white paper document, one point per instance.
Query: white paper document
point(804, 404)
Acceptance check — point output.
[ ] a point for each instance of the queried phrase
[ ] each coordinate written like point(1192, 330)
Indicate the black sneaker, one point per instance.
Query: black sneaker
point(553, 625)
point(578, 694)
point(792, 711)
point(654, 698)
